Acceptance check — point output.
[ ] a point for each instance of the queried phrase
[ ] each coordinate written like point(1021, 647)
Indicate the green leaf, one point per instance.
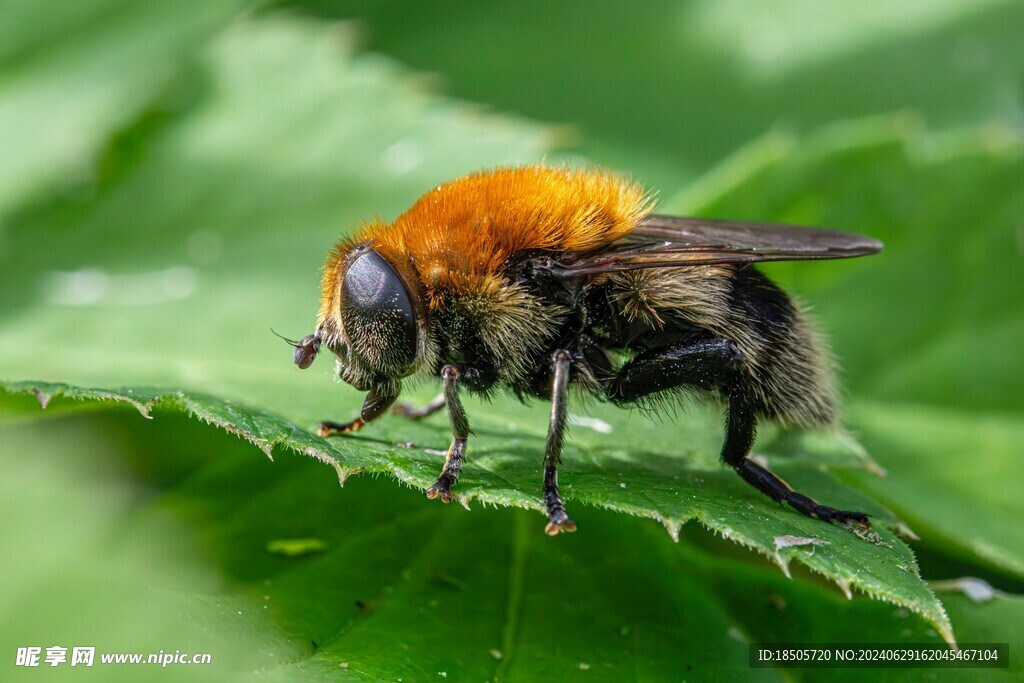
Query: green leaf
point(399, 588)
point(665, 89)
point(626, 472)
point(74, 577)
point(954, 476)
point(71, 78)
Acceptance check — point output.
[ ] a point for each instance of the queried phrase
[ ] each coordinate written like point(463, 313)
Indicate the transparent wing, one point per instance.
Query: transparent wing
point(665, 241)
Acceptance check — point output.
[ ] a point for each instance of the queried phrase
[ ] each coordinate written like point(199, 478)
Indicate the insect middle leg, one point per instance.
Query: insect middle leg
point(558, 519)
point(714, 364)
point(450, 375)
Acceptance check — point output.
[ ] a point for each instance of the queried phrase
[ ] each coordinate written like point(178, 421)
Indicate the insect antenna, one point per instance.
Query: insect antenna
point(305, 350)
point(290, 342)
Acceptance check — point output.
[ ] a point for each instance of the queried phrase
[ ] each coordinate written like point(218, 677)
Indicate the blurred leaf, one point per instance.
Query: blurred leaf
point(401, 589)
point(229, 214)
point(79, 574)
point(72, 76)
point(937, 317)
point(664, 89)
point(954, 475)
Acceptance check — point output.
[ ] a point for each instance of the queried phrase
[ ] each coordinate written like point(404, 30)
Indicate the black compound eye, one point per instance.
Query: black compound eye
point(377, 313)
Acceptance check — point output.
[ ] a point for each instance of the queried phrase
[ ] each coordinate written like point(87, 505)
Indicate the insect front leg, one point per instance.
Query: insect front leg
point(714, 364)
point(450, 375)
point(561, 362)
point(376, 404)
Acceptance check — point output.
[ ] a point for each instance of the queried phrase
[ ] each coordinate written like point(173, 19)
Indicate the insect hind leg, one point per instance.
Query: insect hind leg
point(412, 412)
point(740, 430)
point(707, 364)
point(714, 364)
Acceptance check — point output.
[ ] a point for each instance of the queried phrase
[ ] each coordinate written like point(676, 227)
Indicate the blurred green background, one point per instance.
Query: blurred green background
point(172, 174)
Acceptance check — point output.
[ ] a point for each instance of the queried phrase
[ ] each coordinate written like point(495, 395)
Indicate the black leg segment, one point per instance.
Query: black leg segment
point(450, 374)
point(740, 430)
point(375, 405)
point(561, 361)
point(716, 364)
point(708, 364)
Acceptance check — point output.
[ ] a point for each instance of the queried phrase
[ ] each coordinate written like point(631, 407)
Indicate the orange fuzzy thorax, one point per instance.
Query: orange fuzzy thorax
point(459, 236)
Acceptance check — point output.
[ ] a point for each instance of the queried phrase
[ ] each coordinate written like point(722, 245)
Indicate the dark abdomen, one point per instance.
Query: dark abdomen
point(784, 368)
point(788, 369)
